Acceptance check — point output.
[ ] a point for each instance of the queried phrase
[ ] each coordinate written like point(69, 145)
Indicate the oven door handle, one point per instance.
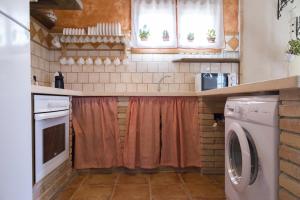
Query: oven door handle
point(43, 116)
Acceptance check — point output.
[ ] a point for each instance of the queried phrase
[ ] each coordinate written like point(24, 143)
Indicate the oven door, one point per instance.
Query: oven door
point(51, 142)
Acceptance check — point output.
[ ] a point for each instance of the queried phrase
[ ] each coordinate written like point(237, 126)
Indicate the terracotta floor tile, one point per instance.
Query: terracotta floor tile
point(205, 191)
point(133, 179)
point(93, 193)
point(101, 179)
point(66, 194)
point(132, 192)
point(197, 178)
point(164, 179)
point(168, 192)
point(76, 181)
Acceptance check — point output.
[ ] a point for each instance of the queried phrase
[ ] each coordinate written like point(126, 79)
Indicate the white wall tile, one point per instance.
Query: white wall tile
point(142, 88)
point(152, 67)
point(126, 77)
point(226, 68)
point(215, 68)
point(99, 68)
point(147, 77)
point(115, 77)
point(131, 87)
point(83, 77)
point(88, 87)
point(205, 68)
point(104, 78)
point(184, 67)
point(137, 77)
point(110, 87)
point(110, 68)
point(142, 67)
point(94, 77)
point(121, 87)
point(179, 78)
point(99, 87)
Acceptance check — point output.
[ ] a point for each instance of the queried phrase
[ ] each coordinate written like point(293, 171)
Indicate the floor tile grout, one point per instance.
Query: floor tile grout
point(150, 187)
point(114, 187)
point(85, 178)
point(186, 191)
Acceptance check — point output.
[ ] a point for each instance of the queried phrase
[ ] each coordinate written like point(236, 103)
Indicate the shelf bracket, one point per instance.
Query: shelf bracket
point(298, 27)
point(281, 5)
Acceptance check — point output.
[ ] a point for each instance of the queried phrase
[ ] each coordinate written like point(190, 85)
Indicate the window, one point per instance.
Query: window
point(177, 24)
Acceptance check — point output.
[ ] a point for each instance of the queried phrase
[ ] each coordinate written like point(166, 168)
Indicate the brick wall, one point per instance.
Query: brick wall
point(56, 180)
point(289, 150)
point(212, 138)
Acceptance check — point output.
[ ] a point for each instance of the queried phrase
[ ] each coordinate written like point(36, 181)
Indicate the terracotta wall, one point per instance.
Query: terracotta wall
point(120, 10)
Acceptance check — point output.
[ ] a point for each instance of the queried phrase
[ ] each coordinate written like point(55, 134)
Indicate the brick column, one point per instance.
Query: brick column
point(289, 150)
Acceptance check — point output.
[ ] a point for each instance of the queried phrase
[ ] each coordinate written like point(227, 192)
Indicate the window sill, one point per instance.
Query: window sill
point(172, 51)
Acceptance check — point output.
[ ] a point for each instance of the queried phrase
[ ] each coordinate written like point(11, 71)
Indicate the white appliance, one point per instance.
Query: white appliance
point(251, 148)
point(208, 81)
point(51, 135)
point(15, 106)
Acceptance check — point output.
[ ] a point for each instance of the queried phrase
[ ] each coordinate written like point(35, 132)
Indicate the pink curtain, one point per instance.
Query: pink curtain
point(96, 132)
point(142, 143)
point(180, 132)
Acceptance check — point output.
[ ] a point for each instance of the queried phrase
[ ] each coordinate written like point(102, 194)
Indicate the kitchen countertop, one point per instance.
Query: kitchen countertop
point(264, 86)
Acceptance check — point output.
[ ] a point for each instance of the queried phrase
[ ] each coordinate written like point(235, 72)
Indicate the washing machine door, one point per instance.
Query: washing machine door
point(238, 159)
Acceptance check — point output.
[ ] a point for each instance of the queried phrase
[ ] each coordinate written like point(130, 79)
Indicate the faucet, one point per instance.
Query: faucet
point(160, 81)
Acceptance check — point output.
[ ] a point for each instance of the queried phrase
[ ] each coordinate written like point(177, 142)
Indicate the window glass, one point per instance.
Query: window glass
point(154, 23)
point(200, 23)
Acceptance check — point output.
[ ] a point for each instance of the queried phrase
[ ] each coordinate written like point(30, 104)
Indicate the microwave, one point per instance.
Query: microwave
point(208, 81)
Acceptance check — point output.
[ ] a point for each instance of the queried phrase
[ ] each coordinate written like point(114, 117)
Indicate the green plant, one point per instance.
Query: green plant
point(294, 47)
point(191, 36)
point(166, 36)
point(144, 33)
point(211, 33)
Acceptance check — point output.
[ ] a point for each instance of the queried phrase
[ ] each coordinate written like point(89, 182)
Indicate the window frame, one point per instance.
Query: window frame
point(163, 50)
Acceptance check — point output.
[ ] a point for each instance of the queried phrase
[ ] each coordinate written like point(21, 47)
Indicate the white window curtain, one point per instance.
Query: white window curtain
point(195, 18)
point(158, 17)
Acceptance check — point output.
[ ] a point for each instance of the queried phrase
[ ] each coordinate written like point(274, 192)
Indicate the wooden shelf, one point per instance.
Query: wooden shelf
point(207, 60)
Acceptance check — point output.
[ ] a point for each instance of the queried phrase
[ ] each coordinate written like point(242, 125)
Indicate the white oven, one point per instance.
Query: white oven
point(51, 133)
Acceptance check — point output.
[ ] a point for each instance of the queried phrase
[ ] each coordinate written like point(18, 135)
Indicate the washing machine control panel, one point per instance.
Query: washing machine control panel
point(254, 111)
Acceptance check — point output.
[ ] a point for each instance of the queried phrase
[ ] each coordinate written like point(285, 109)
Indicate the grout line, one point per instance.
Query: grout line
point(150, 188)
point(114, 187)
point(183, 185)
point(76, 191)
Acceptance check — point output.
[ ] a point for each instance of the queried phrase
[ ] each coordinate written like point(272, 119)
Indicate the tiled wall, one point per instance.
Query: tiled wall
point(142, 74)
point(39, 53)
point(40, 64)
point(289, 150)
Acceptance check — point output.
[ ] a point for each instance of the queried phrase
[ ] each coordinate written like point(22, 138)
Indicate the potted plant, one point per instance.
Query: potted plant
point(166, 36)
point(293, 54)
point(211, 35)
point(191, 37)
point(144, 33)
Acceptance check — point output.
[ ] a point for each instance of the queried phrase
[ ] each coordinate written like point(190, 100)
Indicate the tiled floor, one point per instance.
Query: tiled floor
point(160, 186)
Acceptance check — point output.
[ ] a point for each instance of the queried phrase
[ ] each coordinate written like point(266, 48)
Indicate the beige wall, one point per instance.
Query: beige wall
point(263, 40)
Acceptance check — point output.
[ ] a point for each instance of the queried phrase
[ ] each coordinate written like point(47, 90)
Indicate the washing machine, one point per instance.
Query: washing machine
point(251, 148)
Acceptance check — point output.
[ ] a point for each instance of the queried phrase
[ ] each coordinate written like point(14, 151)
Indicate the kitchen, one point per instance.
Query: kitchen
point(142, 99)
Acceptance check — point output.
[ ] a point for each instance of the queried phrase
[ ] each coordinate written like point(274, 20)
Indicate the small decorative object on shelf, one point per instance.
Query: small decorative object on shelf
point(281, 5)
point(93, 60)
point(211, 35)
point(144, 33)
point(293, 56)
point(166, 36)
point(191, 37)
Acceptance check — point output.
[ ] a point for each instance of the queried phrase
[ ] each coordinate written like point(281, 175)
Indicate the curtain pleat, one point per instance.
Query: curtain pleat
point(97, 142)
point(162, 131)
point(142, 143)
point(180, 132)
